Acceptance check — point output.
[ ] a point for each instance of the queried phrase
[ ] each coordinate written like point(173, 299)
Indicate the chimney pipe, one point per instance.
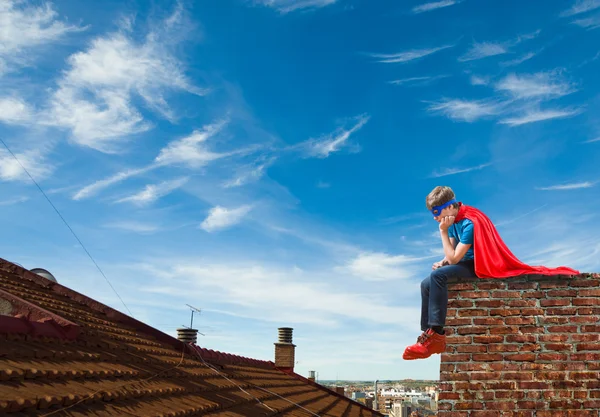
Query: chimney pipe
point(285, 350)
point(186, 335)
point(311, 376)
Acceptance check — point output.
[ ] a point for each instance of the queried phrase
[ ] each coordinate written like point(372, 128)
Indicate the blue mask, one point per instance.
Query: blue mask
point(436, 210)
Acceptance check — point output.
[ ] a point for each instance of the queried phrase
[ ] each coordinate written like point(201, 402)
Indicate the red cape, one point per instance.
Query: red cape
point(493, 259)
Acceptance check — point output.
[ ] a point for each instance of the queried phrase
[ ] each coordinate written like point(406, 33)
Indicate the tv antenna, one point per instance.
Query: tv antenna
point(194, 310)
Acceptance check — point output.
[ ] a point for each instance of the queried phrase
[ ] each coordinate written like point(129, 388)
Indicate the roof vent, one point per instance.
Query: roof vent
point(43, 273)
point(187, 335)
point(285, 334)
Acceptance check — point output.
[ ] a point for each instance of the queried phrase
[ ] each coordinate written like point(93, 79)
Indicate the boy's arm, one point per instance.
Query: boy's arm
point(453, 252)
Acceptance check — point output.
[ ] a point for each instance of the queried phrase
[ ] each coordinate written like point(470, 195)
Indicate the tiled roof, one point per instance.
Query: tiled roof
point(64, 354)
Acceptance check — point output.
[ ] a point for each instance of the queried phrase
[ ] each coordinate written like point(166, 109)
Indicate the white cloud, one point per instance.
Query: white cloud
point(592, 22)
point(572, 186)
point(465, 110)
point(383, 267)
point(453, 171)
point(153, 192)
point(25, 27)
point(15, 200)
point(538, 116)
point(481, 50)
point(520, 60)
point(249, 174)
point(93, 189)
point(581, 6)
point(333, 142)
point(418, 80)
point(287, 6)
point(543, 85)
point(477, 80)
point(191, 150)
point(13, 110)
point(592, 140)
point(408, 56)
point(134, 226)
point(95, 95)
point(427, 7)
point(33, 160)
point(220, 218)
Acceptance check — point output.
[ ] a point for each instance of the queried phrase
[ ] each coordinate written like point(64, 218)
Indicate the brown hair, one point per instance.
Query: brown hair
point(438, 196)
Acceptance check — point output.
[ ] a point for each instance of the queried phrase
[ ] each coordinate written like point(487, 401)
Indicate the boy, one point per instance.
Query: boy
point(472, 248)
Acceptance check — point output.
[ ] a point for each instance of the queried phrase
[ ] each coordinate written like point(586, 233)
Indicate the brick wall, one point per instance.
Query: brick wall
point(526, 346)
point(285, 356)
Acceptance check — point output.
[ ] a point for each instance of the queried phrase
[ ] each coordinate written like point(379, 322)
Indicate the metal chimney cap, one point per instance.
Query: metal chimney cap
point(285, 334)
point(44, 273)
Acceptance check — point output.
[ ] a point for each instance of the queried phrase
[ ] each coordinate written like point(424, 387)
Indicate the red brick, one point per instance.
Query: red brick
point(487, 413)
point(586, 337)
point(580, 394)
point(593, 366)
point(444, 406)
point(513, 395)
point(471, 366)
point(590, 329)
point(473, 312)
point(474, 294)
point(587, 346)
point(532, 366)
point(565, 404)
point(457, 376)
point(505, 366)
point(552, 357)
point(455, 357)
point(520, 320)
point(532, 312)
point(552, 284)
point(517, 376)
point(586, 301)
point(530, 348)
point(470, 405)
point(458, 322)
point(449, 396)
point(522, 286)
point(562, 329)
point(504, 330)
point(550, 375)
point(504, 312)
point(483, 357)
point(569, 366)
point(531, 405)
point(531, 329)
point(489, 303)
point(471, 349)
point(460, 303)
point(462, 286)
point(583, 375)
point(500, 405)
point(519, 413)
point(553, 337)
point(562, 293)
point(488, 339)
point(554, 320)
point(458, 340)
point(506, 294)
point(584, 319)
point(554, 302)
point(488, 321)
point(583, 311)
point(495, 285)
point(586, 357)
point(521, 338)
point(502, 347)
point(522, 303)
point(558, 346)
point(447, 367)
point(590, 292)
point(562, 311)
point(591, 404)
point(565, 384)
point(549, 395)
point(484, 376)
point(472, 330)
point(534, 294)
point(521, 357)
point(586, 283)
point(454, 413)
point(500, 385)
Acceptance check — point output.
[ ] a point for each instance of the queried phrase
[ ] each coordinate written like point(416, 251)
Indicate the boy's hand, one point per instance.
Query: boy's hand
point(446, 223)
point(439, 264)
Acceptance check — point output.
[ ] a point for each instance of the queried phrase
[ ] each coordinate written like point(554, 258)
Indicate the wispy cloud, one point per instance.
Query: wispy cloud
point(412, 81)
point(581, 6)
point(572, 186)
point(592, 22)
point(480, 50)
point(33, 160)
point(427, 7)
point(249, 174)
point(333, 142)
point(153, 192)
point(466, 110)
point(96, 94)
point(287, 6)
point(520, 60)
point(592, 140)
point(323, 184)
point(373, 266)
point(478, 80)
point(134, 226)
point(453, 171)
point(12, 201)
point(27, 27)
point(13, 110)
point(94, 188)
point(539, 115)
point(408, 56)
point(220, 218)
point(543, 85)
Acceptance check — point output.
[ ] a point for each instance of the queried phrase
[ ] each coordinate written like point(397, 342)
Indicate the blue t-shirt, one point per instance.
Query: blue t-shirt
point(462, 231)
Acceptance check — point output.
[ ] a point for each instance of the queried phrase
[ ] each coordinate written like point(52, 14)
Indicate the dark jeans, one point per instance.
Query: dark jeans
point(434, 292)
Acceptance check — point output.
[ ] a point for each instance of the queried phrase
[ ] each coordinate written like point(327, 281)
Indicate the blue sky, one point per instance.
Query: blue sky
point(268, 160)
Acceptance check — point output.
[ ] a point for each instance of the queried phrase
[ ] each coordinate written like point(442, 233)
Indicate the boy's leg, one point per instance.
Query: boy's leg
point(438, 291)
point(425, 285)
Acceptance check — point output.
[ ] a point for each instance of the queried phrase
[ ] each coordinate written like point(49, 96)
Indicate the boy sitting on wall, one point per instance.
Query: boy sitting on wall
point(472, 248)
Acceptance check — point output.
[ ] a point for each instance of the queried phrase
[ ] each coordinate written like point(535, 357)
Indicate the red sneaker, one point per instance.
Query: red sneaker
point(427, 344)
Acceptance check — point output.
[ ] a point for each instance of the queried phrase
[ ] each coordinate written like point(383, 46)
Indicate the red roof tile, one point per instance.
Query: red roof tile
point(68, 355)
